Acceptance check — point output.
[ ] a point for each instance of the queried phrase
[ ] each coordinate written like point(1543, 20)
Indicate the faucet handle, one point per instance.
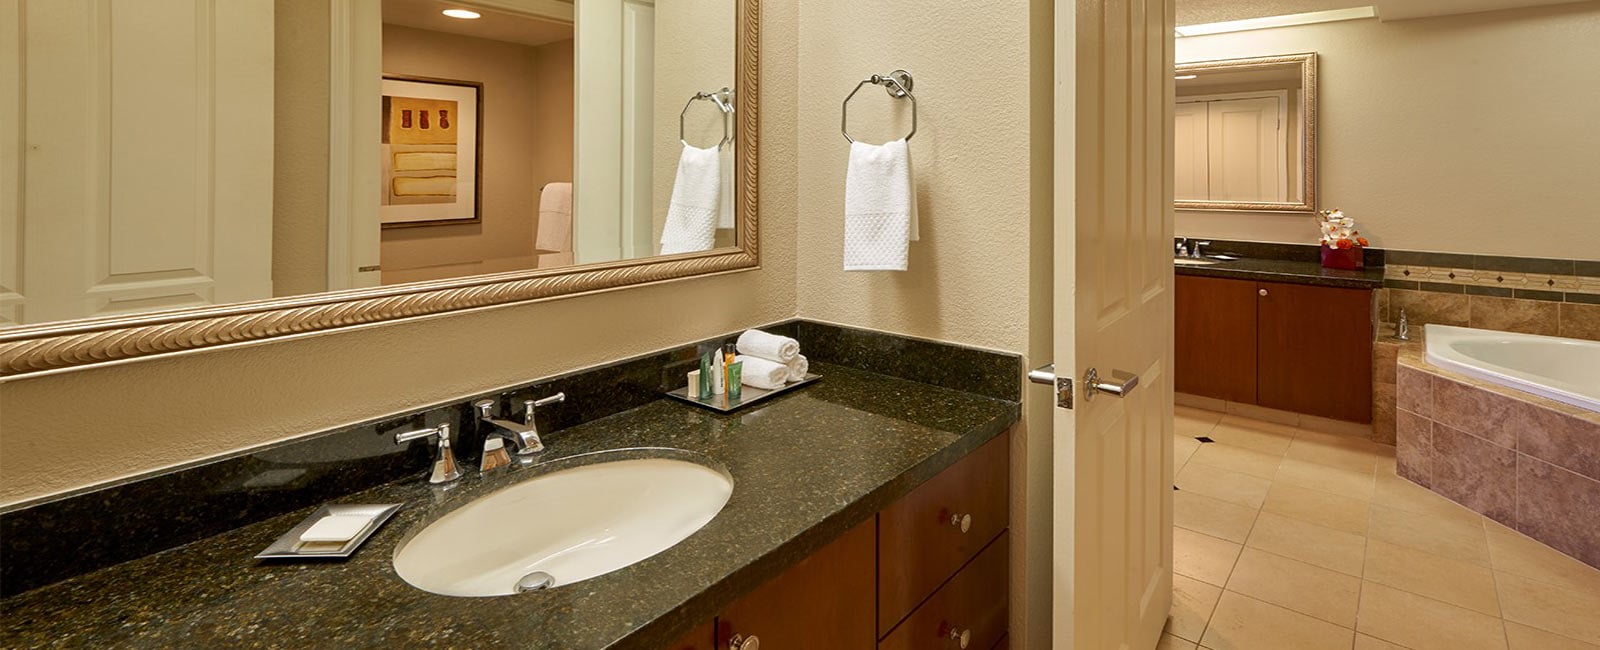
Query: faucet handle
point(484, 407)
point(528, 406)
point(445, 468)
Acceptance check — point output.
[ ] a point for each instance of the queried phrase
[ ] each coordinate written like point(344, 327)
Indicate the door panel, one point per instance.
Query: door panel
point(1113, 278)
point(1216, 338)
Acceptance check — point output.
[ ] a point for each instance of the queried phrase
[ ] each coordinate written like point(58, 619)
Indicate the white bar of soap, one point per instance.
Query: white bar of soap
point(335, 528)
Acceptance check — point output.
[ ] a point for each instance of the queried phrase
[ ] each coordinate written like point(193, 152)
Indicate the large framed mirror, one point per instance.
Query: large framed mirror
point(1245, 134)
point(196, 173)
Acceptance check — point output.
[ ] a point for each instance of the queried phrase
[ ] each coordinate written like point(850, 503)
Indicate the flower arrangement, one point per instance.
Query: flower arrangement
point(1341, 242)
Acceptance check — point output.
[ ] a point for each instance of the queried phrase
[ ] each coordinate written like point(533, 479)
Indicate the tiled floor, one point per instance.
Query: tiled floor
point(1289, 539)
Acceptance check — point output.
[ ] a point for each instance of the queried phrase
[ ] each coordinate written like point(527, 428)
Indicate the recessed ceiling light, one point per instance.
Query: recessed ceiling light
point(1186, 77)
point(1268, 22)
point(463, 14)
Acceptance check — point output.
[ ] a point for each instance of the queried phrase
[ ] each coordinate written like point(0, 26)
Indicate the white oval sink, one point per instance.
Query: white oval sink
point(569, 525)
point(1193, 261)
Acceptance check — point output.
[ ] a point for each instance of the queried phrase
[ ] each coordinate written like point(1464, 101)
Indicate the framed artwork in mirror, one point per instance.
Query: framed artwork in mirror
point(431, 139)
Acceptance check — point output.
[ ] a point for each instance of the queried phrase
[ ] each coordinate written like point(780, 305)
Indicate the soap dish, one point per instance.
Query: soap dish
point(290, 544)
point(749, 395)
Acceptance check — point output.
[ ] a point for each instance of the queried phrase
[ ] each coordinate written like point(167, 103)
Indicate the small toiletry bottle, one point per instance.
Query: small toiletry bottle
point(719, 376)
point(735, 380)
point(705, 376)
point(693, 390)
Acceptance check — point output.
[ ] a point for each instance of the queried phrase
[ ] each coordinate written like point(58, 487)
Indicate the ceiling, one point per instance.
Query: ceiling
point(494, 25)
point(1195, 12)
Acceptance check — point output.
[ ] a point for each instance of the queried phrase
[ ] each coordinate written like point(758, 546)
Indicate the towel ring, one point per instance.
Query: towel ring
point(724, 102)
point(898, 84)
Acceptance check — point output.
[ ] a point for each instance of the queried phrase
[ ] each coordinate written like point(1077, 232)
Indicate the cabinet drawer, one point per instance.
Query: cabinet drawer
point(973, 605)
point(920, 547)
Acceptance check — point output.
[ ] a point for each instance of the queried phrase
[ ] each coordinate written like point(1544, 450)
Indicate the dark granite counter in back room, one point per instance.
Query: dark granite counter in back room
point(1290, 263)
point(806, 468)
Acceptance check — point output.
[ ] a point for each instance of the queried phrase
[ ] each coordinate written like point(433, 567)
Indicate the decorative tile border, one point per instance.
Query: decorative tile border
point(1527, 278)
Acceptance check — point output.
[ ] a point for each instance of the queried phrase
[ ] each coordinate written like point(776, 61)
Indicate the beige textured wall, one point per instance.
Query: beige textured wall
point(300, 149)
point(154, 414)
point(513, 138)
point(981, 154)
point(1465, 134)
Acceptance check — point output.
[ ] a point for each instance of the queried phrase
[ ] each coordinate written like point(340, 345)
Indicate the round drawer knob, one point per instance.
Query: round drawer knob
point(961, 637)
point(1262, 292)
point(964, 522)
point(739, 642)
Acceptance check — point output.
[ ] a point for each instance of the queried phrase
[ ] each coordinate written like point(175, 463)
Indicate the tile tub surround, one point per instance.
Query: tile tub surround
point(807, 466)
point(70, 534)
point(1530, 463)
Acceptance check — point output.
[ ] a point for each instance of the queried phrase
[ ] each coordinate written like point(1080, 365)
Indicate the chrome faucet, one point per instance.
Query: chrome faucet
point(522, 436)
point(1197, 249)
point(445, 468)
point(1403, 328)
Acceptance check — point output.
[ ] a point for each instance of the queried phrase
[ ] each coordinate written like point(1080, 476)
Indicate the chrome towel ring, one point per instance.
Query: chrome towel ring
point(723, 99)
point(897, 84)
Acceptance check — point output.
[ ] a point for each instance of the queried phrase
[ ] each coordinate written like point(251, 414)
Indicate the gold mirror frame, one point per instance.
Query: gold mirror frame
point(1308, 82)
point(33, 350)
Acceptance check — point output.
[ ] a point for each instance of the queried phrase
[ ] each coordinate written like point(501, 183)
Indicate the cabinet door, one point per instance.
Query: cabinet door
point(1315, 350)
point(701, 638)
point(1216, 338)
point(825, 601)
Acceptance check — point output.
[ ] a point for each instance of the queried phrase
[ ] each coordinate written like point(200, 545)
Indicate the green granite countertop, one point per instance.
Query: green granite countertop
point(806, 467)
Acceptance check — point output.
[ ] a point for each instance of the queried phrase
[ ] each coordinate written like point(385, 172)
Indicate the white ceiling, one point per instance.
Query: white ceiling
point(1195, 12)
point(496, 26)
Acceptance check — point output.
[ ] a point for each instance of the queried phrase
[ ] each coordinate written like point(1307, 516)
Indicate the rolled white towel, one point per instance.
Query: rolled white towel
point(771, 347)
point(762, 373)
point(798, 368)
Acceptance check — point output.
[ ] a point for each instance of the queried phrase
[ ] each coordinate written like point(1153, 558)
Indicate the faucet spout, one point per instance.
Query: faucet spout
point(522, 436)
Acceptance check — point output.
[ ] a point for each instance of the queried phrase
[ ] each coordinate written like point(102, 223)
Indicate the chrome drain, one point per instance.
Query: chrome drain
point(535, 581)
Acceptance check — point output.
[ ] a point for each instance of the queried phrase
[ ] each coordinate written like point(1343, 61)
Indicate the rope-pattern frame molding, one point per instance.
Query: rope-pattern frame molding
point(55, 347)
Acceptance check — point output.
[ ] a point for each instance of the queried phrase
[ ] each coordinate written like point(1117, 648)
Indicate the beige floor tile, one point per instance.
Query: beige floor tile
point(1452, 538)
point(1261, 436)
point(1307, 542)
point(1343, 482)
point(1169, 642)
point(1386, 462)
point(1462, 584)
point(1513, 552)
point(1313, 591)
point(1218, 483)
point(1244, 623)
point(1523, 637)
point(1239, 459)
point(1318, 507)
point(1190, 422)
point(1551, 608)
point(1192, 604)
point(1334, 451)
point(1401, 494)
point(1423, 623)
point(1203, 557)
point(1364, 642)
point(1183, 447)
point(1213, 517)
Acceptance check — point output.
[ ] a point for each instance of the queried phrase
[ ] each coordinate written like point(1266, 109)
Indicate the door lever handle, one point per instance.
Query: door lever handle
point(1120, 384)
point(1045, 374)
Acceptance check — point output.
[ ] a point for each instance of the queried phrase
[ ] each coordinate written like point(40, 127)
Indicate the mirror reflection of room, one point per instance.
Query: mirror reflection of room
point(1241, 133)
point(355, 145)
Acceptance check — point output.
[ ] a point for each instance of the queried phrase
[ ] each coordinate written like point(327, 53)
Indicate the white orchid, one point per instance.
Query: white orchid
point(1339, 231)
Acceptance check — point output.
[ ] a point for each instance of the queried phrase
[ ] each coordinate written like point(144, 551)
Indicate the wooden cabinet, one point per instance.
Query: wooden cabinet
point(928, 535)
point(825, 601)
point(1216, 338)
point(1293, 347)
point(969, 611)
point(701, 638)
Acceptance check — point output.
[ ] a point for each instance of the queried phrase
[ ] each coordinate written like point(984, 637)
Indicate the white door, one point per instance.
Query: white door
point(1247, 150)
point(1192, 182)
point(146, 155)
point(1112, 573)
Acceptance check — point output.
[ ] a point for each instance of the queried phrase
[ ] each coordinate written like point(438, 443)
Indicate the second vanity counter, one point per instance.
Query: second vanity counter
point(1287, 271)
point(806, 468)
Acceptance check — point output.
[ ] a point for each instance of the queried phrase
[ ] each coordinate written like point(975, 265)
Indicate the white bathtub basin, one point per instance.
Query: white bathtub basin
point(1565, 370)
point(563, 527)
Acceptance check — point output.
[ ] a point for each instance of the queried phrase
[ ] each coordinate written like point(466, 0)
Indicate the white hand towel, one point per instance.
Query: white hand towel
point(771, 347)
point(692, 213)
point(880, 207)
point(799, 367)
point(761, 373)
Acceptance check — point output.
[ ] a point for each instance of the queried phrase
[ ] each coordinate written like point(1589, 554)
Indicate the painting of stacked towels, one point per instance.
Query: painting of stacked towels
point(770, 361)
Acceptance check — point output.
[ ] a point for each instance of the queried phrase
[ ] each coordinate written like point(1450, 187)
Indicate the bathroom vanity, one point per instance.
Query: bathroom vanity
point(1284, 334)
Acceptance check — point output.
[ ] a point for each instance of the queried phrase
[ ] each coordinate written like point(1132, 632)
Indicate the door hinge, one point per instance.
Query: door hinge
point(1064, 392)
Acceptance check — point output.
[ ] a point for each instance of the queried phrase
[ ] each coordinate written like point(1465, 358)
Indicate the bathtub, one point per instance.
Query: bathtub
point(1565, 370)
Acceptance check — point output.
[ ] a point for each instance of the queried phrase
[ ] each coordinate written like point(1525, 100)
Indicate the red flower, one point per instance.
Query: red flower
point(1343, 244)
point(1361, 240)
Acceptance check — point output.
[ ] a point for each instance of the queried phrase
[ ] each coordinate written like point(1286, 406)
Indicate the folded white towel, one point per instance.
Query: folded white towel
point(771, 347)
point(762, 373)
point(798, 368)
point(880, 207)
point(692, 213)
